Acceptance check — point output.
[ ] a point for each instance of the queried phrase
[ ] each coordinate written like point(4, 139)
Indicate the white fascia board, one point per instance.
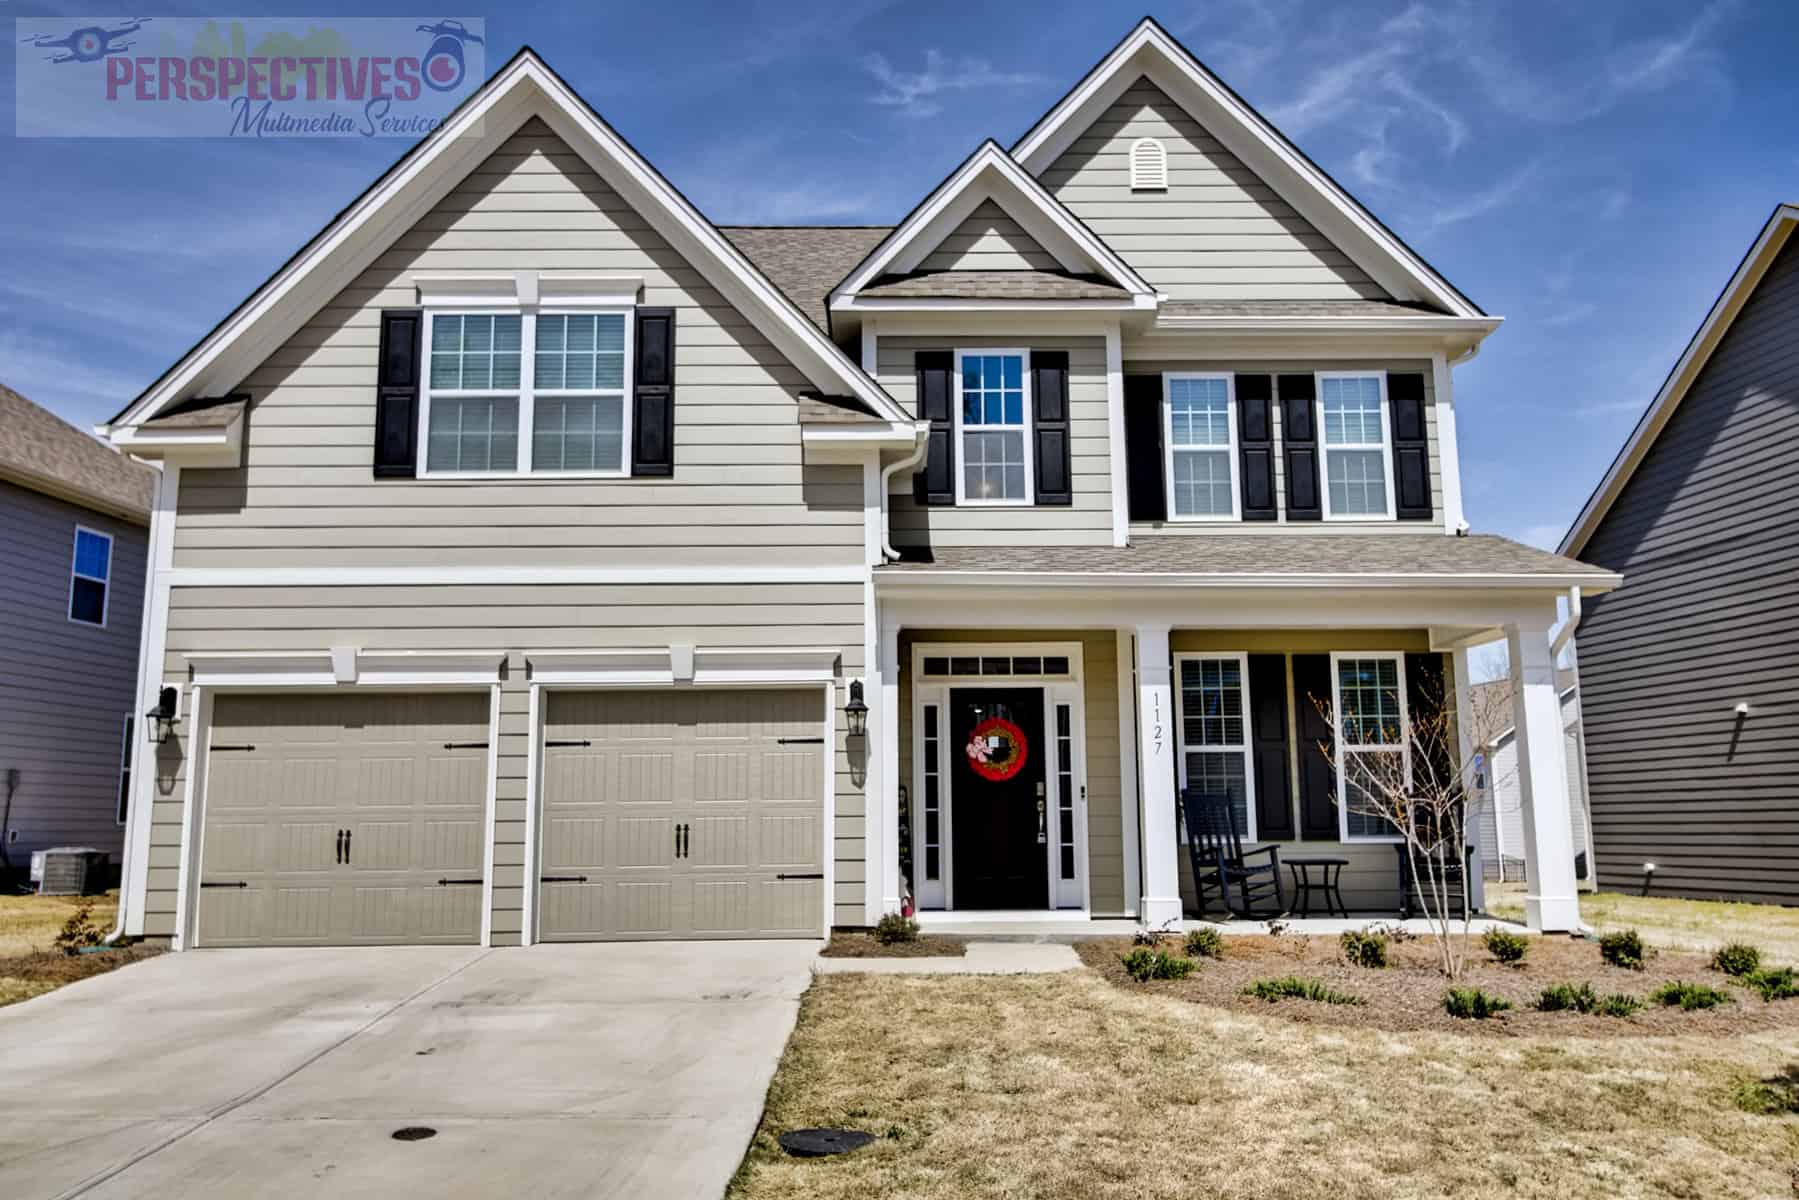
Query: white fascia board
point(1465, 327)
point(1163, 344)
point(654, 666)
point(190, 446)
point(990, 173)
point(525, 289)
point(1717, 323)
point(966, 304)
point(1151, 52)
point(375, 668)
point(924, 580)
point(854, 443)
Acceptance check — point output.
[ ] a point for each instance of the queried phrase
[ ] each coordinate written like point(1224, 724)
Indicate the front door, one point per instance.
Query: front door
point(999, 815)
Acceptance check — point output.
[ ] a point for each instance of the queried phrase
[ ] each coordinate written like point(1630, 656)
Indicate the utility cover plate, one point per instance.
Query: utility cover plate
point(816, 1143)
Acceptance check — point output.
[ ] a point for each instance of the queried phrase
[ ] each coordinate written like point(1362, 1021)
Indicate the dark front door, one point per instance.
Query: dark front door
point(998, 816)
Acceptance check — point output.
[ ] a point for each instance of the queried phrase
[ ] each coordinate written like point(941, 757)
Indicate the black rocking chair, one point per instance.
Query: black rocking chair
point(1221, 864)
point(1453, 876)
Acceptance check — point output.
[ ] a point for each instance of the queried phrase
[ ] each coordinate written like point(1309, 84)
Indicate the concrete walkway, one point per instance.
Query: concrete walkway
point(558, 1071)
point(983, 958)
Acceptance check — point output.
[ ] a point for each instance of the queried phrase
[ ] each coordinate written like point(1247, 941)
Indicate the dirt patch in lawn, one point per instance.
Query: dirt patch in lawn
point(864, 945)
point(26, 975)
point(1407, 994)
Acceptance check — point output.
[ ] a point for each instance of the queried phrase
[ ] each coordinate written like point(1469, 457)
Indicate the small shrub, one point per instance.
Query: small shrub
point(1364, 948)
point(1737, 959)
point(1618, 1005)
point(1505, 946)
point(1147, 937)
point(1473, 1004)
point(1774, 1097)
point(1278, 928)
point(1568, 997)
point(1689, 996)
point(895, 928)
point(1292, 987)
point(1393, 931)
point(1144, 965)
point(79, 931)
point(1205, 942)
point(1622, 949)
point(1772, 983)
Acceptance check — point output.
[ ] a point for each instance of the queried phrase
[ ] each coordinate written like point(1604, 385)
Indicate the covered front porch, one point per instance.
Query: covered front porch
point(1028, 757)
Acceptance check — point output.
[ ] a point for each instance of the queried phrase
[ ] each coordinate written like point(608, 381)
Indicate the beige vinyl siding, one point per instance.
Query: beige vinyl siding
point(1088, 521)
point(514, 620)
point(1156, 366)
point(988, 240)
point(1217, 233)
point(305, 495)
point(1099, 692)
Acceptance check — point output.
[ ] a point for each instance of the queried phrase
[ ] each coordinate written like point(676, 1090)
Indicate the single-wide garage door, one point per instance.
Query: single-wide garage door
point(344, 820)
point(682, 814)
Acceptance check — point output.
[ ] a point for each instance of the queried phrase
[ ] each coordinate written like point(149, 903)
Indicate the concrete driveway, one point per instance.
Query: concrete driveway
point(590, 1071)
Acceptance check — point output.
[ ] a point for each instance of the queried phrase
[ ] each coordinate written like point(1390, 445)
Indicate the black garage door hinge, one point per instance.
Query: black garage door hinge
point(244, 747)
point(562, 879)
point(459, 882)
point(465, 745)
point(573, 742)
point(235, 883)
point(811, 741)
point(813, 875)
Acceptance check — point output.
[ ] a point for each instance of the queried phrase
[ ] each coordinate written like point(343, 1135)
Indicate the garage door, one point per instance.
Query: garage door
point(682, 814)
point(344, 820)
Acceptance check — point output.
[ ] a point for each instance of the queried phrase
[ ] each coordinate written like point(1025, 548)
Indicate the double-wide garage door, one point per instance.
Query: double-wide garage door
point(344, 819)
point(682, 814)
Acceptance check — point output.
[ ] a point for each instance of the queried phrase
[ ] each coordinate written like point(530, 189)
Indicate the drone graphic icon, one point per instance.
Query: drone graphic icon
point(87, 44)
point(442, 66)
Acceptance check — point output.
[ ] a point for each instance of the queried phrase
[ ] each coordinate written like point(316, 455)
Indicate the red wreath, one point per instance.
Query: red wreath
point(1003, 762)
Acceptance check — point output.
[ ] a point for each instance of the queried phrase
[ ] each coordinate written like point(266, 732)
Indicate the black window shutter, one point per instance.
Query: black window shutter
point(1143, 447)
point(1255, 442)
point(397, 394)
point(936, 484)
point(1049, 394)
point(1317, 747)
point(1425, 701)
point(1268, 743)
point(653, 394)
point(1299, 439)
point(1411, 447)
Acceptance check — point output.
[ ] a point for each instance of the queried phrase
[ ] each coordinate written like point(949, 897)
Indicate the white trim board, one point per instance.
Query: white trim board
point(698, 666)
point(409, 576)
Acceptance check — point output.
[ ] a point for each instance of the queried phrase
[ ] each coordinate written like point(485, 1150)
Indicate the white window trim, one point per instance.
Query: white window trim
point(527, 389)
point(1027, 429)
point(1231, 451)
point(1241, 658)
point(105, 584)
point(1386, 446)
point(1340, 749)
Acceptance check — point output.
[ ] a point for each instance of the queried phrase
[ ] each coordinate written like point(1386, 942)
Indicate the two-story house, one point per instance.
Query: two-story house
point(535, 560)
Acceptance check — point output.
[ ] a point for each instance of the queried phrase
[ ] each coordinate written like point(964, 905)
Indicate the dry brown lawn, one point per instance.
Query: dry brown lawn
point(1064, 1086)
point(863, 945)
point(29, 963)
point(1700, 925)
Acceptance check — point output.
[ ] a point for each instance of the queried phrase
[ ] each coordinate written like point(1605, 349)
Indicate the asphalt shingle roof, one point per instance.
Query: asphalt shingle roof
point(994, 285)
point(806, 261)
point(45, 454)
point(1297, 308)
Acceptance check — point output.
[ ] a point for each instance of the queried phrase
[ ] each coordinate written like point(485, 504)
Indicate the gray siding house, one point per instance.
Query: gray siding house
point(73, 531)
point(1687, 675)
point(535, 560)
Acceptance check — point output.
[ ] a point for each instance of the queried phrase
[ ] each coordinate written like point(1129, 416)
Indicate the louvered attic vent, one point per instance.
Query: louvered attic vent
point(1149, 166)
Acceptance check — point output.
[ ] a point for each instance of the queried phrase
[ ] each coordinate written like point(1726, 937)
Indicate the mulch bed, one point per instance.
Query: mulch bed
point(863, 945)
point(46, 970)
point(1408, 993)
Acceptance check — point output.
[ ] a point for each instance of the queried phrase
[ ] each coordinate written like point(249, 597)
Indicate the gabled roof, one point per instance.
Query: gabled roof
point(1692, 360)
point(1150, 51)
point(40, 452)
point(806, 261)
point(525, 87)
point(991, 174)
point(995, 285)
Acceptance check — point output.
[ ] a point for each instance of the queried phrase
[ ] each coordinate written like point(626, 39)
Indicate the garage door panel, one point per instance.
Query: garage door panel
point(643, 842)
point(721, 776)
point(790, 907)
point(574, 843)
point(723, 907)
point(790, 841)
point(721, 841)
point(645, 779)
point(791, 777)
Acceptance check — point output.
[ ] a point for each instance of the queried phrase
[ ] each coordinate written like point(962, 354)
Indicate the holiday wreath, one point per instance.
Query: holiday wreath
point(997, 749)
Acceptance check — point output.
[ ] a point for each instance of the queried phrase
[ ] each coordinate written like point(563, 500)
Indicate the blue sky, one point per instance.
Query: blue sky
point(1590, 172)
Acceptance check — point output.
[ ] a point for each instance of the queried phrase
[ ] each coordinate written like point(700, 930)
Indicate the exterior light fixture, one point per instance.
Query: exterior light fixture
point(1648, 876)
point(856, 711)
point(162, 717)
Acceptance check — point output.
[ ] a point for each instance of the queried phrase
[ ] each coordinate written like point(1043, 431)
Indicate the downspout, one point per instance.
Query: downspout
point(921, 439)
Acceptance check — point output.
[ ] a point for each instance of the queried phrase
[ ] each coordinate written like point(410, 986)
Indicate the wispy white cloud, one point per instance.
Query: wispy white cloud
point(920, 93)
point(1574, 314)
point(62, 380)
point(1497, 195)
point(1613, 201)
point(1542, 536)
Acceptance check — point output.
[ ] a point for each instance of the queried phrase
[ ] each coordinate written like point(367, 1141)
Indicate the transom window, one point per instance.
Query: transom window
point(1372, 738)
point(90, 573)
point(993, 421)
point(526, 393)
point(1214, 731)
point(1201, 437)
point(1356, 470)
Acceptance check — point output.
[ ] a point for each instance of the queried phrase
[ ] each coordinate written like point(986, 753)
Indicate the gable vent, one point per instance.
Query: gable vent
point(1149, 166)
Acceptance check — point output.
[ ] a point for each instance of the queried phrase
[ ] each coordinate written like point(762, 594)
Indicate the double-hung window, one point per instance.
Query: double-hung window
point(1214, 730)
point(1357, 455)
point(1373, 740)
point(993, 421)
point(1201, 436)
point(532, 393)
point(90, 573)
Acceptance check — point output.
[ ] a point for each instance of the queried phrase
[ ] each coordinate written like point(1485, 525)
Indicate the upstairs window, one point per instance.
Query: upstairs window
point(993, 415)
point(1149, 166)
point(1357, 466)
point(1201, 437)
point(89, 576)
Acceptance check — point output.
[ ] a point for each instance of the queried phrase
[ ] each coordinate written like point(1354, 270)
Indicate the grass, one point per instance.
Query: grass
point(30, 965)
point(1697, 925)
point(1066, 1087)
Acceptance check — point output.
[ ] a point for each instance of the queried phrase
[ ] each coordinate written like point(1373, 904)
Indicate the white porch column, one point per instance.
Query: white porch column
point(1550, 901)
point(1464, 736)
point(1161, 903)
point(1127, 771)
point(887, 748)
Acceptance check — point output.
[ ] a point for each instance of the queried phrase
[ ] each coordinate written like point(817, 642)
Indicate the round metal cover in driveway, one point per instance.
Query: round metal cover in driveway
point(816, 1143)
point(414, 1133)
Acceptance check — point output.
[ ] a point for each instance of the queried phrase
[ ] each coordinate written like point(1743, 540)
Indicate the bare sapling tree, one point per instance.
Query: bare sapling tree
point(1410, 774)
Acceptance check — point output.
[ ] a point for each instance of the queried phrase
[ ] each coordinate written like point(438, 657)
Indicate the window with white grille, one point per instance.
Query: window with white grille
point(1149, 166)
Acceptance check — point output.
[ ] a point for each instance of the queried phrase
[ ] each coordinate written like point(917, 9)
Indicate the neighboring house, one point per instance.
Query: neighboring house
point(1687, 676)
point(538, 561)
point(1498, 825)
point(73, 518)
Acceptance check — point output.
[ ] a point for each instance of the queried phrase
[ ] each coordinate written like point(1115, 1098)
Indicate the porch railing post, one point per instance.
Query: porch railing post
point(1550, 901)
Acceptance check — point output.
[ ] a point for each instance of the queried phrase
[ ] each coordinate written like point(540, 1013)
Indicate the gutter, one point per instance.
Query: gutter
point(921, 442)
point(1101, 579)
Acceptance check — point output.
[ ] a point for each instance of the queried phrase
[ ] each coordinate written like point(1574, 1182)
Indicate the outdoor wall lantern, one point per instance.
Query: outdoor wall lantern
point(856, 711)
point(162, 717)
